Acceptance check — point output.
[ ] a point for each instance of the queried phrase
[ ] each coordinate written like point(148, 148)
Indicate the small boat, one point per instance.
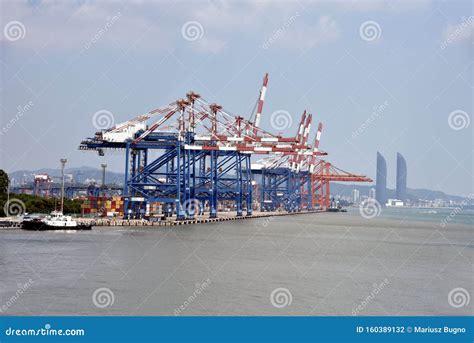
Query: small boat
point(336, 209)
point(55, 221)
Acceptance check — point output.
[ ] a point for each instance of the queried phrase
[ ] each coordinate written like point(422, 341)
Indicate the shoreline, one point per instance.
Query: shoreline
point(327, 218)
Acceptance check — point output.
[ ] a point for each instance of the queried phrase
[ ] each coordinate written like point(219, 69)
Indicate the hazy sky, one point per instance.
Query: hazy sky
point(381, 76)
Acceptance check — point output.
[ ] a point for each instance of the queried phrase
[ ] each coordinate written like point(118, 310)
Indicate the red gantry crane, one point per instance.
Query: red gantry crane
point(194, 154)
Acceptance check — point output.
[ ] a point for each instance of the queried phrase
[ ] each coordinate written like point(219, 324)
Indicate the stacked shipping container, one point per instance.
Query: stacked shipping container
point(102, 206)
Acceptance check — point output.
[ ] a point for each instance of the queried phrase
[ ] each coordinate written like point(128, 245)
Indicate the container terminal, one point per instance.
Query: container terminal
point(193, 161)
point(193, 158)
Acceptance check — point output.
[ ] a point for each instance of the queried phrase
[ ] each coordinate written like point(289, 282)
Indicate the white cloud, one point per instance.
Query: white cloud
point(384, 5)
point(459, 33)
point(52, 24)
point(325, 30)
point(297, 34)
point(209, 45)
point(74, 25)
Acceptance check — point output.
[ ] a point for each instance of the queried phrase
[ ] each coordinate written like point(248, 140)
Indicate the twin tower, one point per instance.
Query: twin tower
point(381, 179)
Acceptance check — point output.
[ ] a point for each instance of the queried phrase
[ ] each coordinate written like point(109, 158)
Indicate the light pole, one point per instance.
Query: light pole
point(8, 198)
point(63, 164)
point(103, 165)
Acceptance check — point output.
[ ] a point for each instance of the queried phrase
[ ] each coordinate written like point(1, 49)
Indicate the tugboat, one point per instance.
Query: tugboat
point(56, 221)
point(335, 207)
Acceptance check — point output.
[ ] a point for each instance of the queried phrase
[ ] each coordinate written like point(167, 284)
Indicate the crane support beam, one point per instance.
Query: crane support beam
point(194, 157)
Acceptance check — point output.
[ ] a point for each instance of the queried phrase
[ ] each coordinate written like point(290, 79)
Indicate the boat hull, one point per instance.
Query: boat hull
point(333, 209)
point(38, 225)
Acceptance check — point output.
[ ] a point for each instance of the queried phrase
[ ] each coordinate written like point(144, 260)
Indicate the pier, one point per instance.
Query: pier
point(197, 220)
point(10, 224)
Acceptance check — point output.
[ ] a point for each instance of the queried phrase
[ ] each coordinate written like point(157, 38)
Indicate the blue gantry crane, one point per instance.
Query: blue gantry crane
point(193, 156)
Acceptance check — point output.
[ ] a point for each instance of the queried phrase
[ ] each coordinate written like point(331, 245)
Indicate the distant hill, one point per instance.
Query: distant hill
point(81, 174)
point(412, 193)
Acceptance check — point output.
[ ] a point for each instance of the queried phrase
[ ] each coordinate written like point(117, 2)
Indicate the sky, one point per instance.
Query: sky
point(391, 76)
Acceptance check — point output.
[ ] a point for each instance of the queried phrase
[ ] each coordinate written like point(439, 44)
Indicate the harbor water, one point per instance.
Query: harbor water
point(313, 264)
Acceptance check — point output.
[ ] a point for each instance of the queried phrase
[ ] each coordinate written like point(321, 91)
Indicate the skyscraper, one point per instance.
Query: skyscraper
point(381, 180)
point(401, 177)
point(355, 196)
point(372, 193)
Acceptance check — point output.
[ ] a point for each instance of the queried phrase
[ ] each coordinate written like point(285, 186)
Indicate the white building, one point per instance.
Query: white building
point(355, 196)
point(394, 203)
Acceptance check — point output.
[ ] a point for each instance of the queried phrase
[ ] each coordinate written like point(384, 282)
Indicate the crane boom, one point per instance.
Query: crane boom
point(261, 101)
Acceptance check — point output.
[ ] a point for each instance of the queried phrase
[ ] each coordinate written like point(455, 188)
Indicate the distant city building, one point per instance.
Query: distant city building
point(381, 180)
point(401, 178)
point(355, 196)
point(372, 193)
point(42, 184)
point(394, 203)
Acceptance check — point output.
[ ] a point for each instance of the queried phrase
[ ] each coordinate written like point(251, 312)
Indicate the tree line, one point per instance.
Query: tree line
point(30, 203)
